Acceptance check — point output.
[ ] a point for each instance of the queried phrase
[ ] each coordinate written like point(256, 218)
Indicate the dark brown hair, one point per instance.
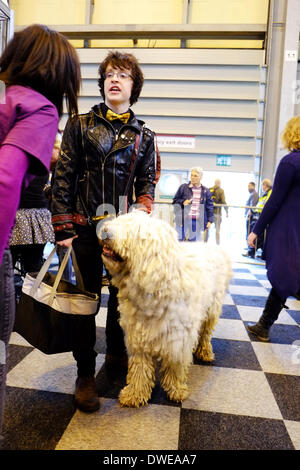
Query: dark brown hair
point(44, 60)
point(123, 61)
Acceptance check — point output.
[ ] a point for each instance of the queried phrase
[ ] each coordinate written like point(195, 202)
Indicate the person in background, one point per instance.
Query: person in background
point(280, 219)
point(218, 197)
point(266, 187)
point(39, 68)
point(94, 170)
point(249, 214)
point(193, 208)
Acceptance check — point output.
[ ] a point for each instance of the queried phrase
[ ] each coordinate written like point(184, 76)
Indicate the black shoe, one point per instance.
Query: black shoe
point(86, 396)
point(258, 330)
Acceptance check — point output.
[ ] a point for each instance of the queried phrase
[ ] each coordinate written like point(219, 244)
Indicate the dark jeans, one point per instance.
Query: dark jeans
point(88, 255)
point(7, 318)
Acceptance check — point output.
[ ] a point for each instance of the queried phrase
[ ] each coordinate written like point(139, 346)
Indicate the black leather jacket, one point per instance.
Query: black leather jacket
point(94, 167)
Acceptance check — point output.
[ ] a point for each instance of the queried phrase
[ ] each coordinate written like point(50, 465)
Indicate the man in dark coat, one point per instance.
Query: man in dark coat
point(193, 208)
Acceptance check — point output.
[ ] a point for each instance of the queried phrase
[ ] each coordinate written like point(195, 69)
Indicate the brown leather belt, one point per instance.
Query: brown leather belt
point(69, 219)
point(75, 218)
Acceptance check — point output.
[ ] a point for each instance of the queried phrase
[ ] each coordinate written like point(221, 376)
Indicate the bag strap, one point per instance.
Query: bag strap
point(59, 275)
point(42, 273)
point(136, 150)
point(79, 280)
point(158, 162)
point(45, 267)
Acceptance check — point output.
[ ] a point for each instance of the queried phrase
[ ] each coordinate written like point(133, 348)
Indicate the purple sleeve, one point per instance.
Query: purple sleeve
point(283, 180)
point(29, 121)
point(35, 135)
point(13, 167)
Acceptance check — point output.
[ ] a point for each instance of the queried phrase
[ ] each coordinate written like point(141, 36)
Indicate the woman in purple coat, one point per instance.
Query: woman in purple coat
point(39, 68)
point(280, 217)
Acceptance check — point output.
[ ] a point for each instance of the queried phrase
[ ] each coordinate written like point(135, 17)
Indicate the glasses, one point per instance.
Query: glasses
point(120, 75)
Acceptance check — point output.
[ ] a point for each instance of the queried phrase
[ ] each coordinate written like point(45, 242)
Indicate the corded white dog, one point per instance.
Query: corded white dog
point(170, 298)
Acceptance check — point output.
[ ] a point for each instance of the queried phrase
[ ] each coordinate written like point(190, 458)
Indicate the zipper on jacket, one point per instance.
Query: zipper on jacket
point(117, 133)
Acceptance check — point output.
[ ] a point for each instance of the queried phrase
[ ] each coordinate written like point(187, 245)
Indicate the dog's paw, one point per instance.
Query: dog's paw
point(203, 354)
point(178, 394)
point(129, 399)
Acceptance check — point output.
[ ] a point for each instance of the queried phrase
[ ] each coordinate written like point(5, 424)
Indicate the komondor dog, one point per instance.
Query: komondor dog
point(170, 298)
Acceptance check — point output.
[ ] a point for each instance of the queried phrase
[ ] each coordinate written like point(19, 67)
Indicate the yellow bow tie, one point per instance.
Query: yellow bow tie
point(110, 115)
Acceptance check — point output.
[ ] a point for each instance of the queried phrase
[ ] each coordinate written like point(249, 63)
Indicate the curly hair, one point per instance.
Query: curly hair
point(291, 134)
point(44, 60)
point(122, 61)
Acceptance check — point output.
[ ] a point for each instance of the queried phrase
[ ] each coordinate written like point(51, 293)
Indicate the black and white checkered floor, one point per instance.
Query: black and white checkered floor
point(249, 398)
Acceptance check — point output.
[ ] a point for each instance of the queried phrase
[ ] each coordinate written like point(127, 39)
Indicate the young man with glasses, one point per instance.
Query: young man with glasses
point(93, 170)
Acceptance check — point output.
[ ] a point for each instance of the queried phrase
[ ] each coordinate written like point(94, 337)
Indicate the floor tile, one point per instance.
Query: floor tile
point(245, 282)
point(131, 428)
point(228, 300)
point(295, 314)
point(104, 299)
point(286, 389)
point(53, 373)
point(230, 311)
point(15, 338)
point(248, 290)
point(111, 388)
point(233, 354)
point(252, 314)
point(247, 398)
point(293, 428)
point(201, 430)
point(100, 346)
point(244, 275)
point(260, 276)
point(265, 283)
point(240, 267)
point(259, 269)
point(231, 329)
point(105, 290)
point(277, 358)
point(293, 304)
point(34, 419)
point(281, 334)
point(16, 354)
point(233, 391)
point(101, 317)
point(255, 301)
